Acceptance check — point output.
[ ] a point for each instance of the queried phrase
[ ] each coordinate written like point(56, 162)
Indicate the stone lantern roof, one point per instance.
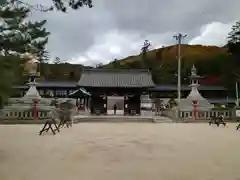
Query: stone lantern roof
point(32, 94)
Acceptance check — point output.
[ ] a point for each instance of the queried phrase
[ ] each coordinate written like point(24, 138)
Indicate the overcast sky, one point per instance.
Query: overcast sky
point(118, 28)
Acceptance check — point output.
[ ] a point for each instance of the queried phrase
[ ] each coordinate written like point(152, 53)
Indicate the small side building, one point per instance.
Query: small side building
point(125, 86)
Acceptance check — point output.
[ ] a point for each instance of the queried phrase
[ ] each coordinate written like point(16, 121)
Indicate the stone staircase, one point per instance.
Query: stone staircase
point(162, 119)
point(110, 118)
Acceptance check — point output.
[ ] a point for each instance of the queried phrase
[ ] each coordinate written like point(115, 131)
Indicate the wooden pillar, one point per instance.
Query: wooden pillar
point(105, 104)
point(125, 105)
point(54, 92)
point(87, 102)
point(138, 104)
point(97, 103)
point(76, 102)
point(84, 102)
point(68, 92)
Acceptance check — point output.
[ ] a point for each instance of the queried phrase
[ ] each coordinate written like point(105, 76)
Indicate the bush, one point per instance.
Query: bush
point(220, 108)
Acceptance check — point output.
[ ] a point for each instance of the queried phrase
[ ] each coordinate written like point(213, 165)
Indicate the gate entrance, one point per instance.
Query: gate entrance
point(115, 100)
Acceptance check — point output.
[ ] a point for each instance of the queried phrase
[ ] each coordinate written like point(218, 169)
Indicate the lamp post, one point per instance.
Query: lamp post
point(179, 37)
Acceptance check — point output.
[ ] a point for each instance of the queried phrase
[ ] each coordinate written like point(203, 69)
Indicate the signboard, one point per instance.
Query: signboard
point(237, 112)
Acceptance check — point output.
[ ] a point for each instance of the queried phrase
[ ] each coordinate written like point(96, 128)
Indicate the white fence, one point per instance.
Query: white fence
point(24, 115)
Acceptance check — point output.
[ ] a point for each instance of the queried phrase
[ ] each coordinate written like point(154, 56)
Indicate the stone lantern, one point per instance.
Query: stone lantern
point(194, 102)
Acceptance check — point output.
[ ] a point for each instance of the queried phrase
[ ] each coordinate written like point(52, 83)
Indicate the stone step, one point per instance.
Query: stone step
point(162, 119)
point(78, 119)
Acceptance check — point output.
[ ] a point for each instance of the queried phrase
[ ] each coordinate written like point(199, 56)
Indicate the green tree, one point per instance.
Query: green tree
point(74, 4)
point(145, 48)
point(11, 68)
point(99, 65)
point(57, 60)
point(234, 40)
point(60, 5)
point(19, 35)
point(234, 48)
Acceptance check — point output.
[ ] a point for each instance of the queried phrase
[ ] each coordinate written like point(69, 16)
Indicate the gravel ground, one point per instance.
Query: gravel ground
point(121, 151)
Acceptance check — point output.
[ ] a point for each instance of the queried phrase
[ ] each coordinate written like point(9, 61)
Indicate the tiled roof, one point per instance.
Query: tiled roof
point(116, 78)
point(163, 87)
point(79, 92)
point(57, 84)
point(222, 101)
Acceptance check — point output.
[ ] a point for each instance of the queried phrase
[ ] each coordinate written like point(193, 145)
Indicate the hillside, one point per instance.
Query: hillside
point(60, 72)
point(191, 53)
point(209, 60)
point(63, 72)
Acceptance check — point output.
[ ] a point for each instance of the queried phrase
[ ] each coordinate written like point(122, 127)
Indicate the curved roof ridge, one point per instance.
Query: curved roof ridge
point(125, 70)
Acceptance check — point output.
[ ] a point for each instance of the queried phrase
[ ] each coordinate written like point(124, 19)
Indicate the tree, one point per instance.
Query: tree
point(234, 39)
point(234, 47)
point(11, 68)
point(115, 64)
point(144, 50)
point(60, 5)
point(74, 4)
point(57, 60)
point(160, 56)
point(99, 65)
point(19, 35)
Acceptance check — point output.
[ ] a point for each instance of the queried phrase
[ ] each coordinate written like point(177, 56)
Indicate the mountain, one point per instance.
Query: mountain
point(190, 53)
point(210, 61)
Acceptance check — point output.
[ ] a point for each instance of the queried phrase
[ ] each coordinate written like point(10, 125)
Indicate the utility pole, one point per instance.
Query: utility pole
point(179, 37)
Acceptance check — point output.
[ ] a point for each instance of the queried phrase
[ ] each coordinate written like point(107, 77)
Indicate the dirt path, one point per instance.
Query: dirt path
point(121, 151)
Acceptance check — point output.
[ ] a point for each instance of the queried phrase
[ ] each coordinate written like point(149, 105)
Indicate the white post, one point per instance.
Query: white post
point(179, 38)
point(179, 67)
